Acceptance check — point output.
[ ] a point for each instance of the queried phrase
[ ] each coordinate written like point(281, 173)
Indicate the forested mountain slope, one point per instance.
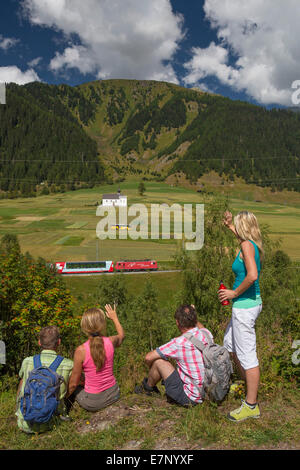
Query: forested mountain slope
point(147, 128)
point(42, 143)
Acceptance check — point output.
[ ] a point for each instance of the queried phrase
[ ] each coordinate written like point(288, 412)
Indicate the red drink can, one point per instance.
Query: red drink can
point(222, 286)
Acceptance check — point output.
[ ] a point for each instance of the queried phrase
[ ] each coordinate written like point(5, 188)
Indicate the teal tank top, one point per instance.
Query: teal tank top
point(251, 297)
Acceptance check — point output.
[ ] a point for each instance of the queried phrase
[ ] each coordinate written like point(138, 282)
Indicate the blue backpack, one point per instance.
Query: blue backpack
point(41, 392)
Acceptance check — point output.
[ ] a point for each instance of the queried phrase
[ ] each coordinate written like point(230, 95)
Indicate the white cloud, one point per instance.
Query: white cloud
point(74, 57)
point(13, 74)
point(7, 43)
point(119, 38)
point(258, 48)
point(210, 61)
point(34, 62)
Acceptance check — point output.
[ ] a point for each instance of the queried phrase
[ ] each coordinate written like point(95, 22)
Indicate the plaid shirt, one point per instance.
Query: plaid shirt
point(189, 361)
point(65, 369)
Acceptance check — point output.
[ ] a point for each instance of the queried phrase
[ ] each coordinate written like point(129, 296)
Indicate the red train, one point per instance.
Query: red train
point(137, 265)
point(96, 267)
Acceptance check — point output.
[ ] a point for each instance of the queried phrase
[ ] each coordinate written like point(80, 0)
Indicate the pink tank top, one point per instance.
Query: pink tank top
point(96, 382)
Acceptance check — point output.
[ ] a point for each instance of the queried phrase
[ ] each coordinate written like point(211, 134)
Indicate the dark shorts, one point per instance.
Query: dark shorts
point(174, 390)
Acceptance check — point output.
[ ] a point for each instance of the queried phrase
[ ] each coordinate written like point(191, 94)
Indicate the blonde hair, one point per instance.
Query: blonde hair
point(247, 228)
point(93, 322)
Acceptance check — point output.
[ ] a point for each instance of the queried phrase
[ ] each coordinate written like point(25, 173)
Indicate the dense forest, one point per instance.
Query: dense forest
point(42, 144)
point(235, 138)
point(54, 138)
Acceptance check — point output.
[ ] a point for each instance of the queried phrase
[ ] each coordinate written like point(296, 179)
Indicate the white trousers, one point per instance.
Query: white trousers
point(240, 336)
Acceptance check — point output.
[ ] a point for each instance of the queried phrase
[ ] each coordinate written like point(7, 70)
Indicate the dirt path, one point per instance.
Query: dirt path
point(164, 429)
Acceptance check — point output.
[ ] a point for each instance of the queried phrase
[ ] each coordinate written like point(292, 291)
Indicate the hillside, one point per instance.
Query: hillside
point(42, 143)
point(146, 129)
point(156, 129)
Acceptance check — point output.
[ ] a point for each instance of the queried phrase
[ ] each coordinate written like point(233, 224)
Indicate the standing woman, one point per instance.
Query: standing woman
point(95, 358)
point(240, 337)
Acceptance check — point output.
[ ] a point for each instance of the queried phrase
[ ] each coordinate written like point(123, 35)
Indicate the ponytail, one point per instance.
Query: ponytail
point(93, 323)
point(97, 351)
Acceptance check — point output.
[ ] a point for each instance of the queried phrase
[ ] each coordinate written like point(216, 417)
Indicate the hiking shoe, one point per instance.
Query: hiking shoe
point(144, 388)
point(244, 412)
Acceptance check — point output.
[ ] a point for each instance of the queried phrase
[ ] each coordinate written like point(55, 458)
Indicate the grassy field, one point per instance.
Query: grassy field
point(63, 226)
point(85, 289)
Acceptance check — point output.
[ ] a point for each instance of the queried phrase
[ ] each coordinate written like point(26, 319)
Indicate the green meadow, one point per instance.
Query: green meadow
point(62, 226)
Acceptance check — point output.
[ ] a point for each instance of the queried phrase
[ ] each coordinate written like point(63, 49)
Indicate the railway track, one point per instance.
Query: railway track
point(131, 272)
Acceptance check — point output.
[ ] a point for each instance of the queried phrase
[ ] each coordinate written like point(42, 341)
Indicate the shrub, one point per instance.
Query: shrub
point(31, 296)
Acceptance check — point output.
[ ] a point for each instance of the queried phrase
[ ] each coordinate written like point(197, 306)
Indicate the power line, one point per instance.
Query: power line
point(44, 160)
point(275, 181)
point(238, 159)
point(183, 159)
point(295, 179)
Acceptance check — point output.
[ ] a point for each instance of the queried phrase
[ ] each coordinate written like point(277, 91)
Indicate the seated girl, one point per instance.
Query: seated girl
point(95, 358)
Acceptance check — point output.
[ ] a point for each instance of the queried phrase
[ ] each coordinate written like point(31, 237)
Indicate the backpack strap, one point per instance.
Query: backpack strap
point(56, 363)
point(207, 337)
point(37, 361)
point(199, 345)
point(195, 341)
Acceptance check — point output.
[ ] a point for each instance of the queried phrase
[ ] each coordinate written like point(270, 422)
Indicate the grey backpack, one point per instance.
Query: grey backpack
point(218, 367)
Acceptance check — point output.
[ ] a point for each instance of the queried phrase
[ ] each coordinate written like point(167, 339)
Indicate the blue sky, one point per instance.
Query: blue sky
point(243, 49)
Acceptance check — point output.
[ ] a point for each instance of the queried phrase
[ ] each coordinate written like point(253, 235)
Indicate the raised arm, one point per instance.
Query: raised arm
point(199, 324)
point(227, 221)
point(111, 313)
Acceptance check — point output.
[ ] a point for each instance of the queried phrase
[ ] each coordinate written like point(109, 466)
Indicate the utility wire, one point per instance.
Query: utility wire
point(295, 179)
point(183, 159)
point(237, 159)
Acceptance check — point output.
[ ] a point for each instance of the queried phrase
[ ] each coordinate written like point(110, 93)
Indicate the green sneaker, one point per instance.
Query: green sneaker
point(244, 412)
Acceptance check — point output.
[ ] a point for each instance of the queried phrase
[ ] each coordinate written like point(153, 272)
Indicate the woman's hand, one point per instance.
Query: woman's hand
point(111, 312)
point(227, 219)
point(226, 294)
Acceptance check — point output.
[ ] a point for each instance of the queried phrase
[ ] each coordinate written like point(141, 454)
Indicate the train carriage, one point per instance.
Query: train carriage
point(85, 267)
